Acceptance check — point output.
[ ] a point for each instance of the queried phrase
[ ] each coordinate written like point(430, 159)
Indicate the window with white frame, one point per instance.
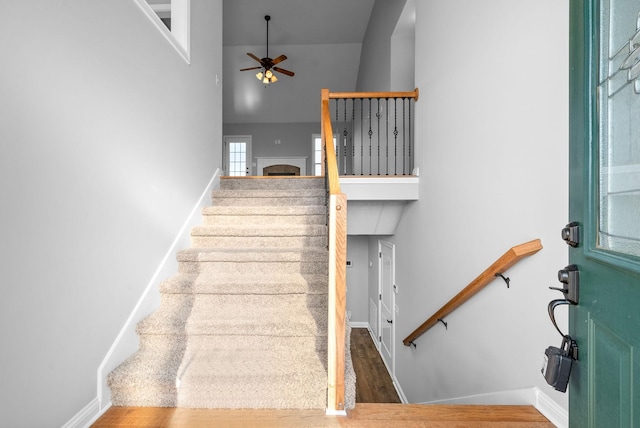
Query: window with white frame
point(317, 152)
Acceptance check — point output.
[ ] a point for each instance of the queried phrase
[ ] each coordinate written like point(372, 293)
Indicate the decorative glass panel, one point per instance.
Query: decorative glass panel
point(619, 127)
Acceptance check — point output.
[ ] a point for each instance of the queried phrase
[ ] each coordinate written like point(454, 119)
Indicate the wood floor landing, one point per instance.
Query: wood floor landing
point(365, 415)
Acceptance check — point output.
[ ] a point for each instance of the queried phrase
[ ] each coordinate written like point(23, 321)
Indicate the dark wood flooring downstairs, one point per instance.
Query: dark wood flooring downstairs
point(377, 407)
point(373, 383)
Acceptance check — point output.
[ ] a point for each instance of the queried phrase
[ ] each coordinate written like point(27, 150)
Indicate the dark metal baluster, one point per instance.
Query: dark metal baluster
point(337, 153)
point(370, 134)
point(404, 155)
point(395, 136)
point(361, 136)
point(378, 116)
point(410, 141)
point(387, 134)
point(345, 133)
point(353, 130)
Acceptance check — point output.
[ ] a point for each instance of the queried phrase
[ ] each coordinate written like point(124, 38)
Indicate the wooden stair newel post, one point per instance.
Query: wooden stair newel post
point(337, 302)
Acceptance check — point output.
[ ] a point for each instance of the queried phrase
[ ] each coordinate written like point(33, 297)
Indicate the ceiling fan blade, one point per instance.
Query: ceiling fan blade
point(279, 59)
point(254, 57)
point(250, 68)
point(283, 71)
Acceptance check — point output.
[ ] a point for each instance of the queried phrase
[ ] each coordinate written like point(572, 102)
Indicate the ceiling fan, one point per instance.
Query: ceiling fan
point(268, 64)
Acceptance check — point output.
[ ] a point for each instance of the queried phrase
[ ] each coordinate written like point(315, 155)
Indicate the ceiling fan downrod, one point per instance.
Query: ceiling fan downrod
point(267, 18)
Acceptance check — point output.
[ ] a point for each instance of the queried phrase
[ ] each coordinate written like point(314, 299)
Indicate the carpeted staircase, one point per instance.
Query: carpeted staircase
point(243, 324)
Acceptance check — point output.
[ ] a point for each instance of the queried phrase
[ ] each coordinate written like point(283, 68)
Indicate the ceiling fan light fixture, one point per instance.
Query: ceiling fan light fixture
point(266, 74)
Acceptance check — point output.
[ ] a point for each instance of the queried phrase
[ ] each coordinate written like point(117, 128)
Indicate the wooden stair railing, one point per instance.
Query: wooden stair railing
point(337, 223)
point(507, 260)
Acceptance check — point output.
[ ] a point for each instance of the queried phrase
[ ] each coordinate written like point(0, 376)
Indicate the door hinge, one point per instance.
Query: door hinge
point(380, 255)
point(379, 296)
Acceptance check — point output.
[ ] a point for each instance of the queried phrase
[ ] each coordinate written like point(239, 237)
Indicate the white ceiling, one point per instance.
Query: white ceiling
point(322, 40)
point(295, 22)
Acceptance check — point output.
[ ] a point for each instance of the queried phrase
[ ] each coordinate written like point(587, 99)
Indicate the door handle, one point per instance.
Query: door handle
point(570, 279)
point(390, 321)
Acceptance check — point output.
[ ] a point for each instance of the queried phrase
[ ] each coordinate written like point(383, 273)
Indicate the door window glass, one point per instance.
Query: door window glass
point(619, 128)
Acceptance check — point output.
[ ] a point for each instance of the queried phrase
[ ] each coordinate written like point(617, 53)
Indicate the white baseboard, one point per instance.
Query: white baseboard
point(524, 396)
point(551, 410)
point(85, 417)
point(359, 324)
point(398, 387)
point(556, 414)
point(126, 342)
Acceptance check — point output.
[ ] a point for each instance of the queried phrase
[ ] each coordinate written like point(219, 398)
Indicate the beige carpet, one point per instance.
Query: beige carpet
point(243, 324)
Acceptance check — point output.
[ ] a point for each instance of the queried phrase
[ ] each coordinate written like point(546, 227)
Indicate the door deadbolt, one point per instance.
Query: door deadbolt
point(571, 234)
point(570, 279)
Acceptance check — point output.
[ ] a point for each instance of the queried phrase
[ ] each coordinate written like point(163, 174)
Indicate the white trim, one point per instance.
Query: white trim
point(174, 40)
point(398, 387)
point(85, 417)
point(523, 396)
point(360, 324)
point(558, 415)
point(533, 396)
point(181, 23)
point(336, 412)
point(161, 8)
point(135, 316)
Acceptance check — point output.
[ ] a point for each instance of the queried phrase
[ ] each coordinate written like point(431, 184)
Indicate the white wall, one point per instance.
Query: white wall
point(374, 73)
point(107, 139)
point(491, 144)
point(357, 280)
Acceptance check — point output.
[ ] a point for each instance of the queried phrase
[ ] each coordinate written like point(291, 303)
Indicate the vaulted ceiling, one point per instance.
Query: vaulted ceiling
point(322, 40)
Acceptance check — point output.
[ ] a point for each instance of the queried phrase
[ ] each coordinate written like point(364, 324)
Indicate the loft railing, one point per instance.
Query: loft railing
point(374, 132)
point(337, 224)
point(507, 260)
point(389, 146)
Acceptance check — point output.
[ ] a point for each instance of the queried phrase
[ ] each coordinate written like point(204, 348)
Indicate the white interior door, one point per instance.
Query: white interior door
point(237, 153)
point(387, 300)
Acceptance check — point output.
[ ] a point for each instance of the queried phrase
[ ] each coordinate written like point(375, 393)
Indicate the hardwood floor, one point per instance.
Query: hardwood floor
point(373, 383)
point(365, 415)
point(377, 407)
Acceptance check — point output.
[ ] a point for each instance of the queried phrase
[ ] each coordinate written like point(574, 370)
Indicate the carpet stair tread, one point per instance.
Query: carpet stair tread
point(268, 193)
point(270, 211)
point(213, 283)
point(262, 254)
point(281, 230)
point(270, 183)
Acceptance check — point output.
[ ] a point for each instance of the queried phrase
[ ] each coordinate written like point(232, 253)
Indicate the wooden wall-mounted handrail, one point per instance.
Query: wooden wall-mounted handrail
point(507, 260)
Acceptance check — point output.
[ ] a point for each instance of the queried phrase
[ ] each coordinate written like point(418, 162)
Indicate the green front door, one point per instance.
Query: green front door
point(604, 389)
